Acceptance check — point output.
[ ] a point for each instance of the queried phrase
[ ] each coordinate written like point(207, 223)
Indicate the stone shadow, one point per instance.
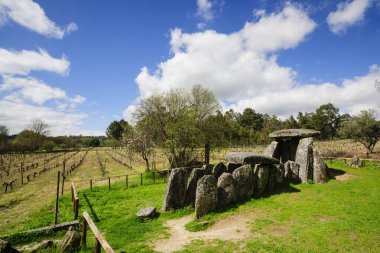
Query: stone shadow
point(332, 173)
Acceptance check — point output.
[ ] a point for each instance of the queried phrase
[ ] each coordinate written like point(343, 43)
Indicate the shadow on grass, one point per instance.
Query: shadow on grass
point(96, 218)
point(332, 173)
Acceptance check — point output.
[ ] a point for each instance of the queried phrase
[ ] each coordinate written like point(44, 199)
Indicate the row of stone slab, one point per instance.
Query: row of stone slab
point(208, 189)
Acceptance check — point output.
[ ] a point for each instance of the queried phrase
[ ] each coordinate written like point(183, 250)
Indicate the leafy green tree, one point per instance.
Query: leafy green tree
point(116, 128)
point(177, 120)
point(94, 142)
point(4, 133)
point(363, 128)
point(25, 141)
point(249, 119)
point(327, 120)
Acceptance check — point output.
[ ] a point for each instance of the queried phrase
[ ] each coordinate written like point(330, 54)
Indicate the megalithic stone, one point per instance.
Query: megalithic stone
point(304, 157)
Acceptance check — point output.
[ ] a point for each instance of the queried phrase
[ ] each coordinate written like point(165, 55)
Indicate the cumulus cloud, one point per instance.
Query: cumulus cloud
point(25, 61)
point(347, 14)
point(232, 65)
point(30, 15)
point(242, 70)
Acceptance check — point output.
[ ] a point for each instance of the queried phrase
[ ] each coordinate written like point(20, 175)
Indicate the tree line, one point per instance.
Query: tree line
point(35, 137)
point(180, 122)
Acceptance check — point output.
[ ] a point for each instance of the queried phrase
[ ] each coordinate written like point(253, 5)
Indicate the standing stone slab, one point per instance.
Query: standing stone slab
point(191, 188)
point(261, 178)
point(279, 174)
point(231, 167)
point(218, 169)
point(175, 190)
point(273, 150)
point(245, 182)
point(206, 198)
point(291, 170)
point(319, 168)
point(304, 157)
point(226, 189)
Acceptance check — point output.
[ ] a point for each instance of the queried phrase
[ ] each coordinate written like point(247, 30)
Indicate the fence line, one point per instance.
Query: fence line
point(100, 241)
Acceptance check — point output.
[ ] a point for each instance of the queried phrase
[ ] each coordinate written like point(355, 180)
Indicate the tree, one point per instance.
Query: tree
point(363, 128)
point(116, 128)
point(4, 133)
point(94, 142)
point(25, 141)
point(327, 120)
point(39, 127)
point(177, 121)
point(138, 140)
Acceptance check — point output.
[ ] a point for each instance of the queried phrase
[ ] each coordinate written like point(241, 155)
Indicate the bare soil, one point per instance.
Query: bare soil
point(232, 228)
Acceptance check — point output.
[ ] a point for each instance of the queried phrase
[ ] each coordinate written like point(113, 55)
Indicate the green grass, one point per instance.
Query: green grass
point(339, 216)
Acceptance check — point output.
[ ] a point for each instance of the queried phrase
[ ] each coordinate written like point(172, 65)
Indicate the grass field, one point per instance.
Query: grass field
point(347, 211)
point(341, 216)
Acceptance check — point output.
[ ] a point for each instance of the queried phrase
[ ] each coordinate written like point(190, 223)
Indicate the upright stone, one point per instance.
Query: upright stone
point(261, 178)
point(70, 242)
point(319, 168)
point(304, 157)
point(191, 188)
point(279, 174)
point(245, 182)
point(231, 167)
point(175, 190)
point(226, 189)
point(206, 195)
point(272, 150)
point(218, 169)
point(291, 170)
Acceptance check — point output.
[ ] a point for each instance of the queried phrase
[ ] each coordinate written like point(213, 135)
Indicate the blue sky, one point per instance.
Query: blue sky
point(79, 65)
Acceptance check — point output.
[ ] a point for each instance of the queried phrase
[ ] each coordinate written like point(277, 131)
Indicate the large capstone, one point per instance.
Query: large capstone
point(304, 157)
point(191, 188)
point(226, 189)
point(294, 133)
point(319, 168)
point(250, 158)
point(261, 178)
point(218, 169)
point(206, 195)
point(175, 190)
point(245, 182)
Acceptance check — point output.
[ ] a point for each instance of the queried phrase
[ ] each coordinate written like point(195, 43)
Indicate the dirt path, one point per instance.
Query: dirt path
point(344, 177)
point(232, 228)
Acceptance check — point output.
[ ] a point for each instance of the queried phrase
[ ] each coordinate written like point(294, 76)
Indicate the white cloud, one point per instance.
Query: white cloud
point(347, 14)
point(242, 70)
point(31, 89)
point(205, 11)
point(30, 15)
point(17, 115)
point(232, 65)
point(25, 61)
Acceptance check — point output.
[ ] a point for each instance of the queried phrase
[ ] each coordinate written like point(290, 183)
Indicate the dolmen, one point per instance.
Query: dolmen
point(294, 148)
point(290, 158)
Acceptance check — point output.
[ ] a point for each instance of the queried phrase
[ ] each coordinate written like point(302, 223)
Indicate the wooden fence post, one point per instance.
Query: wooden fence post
point(63, 176)
point(56, 201)
point(98, 248)
point(84, 234)
point(91, 185)
point(141, 180)
point(22, 173)
point(76, 205)
point(109, 183)
point(154, 177)
point(126, 181)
